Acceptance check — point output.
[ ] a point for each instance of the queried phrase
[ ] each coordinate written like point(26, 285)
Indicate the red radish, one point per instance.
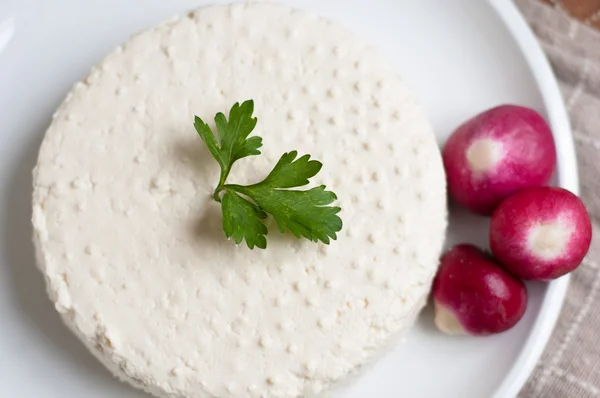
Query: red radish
point(496, 153)
point(540, 233)
point(474, 295)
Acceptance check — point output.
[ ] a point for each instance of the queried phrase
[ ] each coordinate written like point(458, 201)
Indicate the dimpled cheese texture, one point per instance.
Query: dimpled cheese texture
point(131, 243)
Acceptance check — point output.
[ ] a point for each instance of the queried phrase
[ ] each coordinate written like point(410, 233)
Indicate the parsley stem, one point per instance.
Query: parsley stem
point(234, 187)
point(224, 174)
point(237, 188)
point(216, 194)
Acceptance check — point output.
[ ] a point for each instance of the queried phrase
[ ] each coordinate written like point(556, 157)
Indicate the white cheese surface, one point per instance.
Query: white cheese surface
point(130, 240)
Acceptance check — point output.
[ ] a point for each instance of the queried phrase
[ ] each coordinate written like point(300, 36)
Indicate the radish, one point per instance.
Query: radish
point(540, 233)
point(474, 295)
point(495, 154)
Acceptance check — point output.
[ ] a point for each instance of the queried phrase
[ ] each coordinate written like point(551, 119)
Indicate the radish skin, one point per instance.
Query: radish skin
point(540, 233)
point(474, 295)
point(496, 153)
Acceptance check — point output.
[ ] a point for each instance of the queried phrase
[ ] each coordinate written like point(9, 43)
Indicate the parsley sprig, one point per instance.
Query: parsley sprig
point(245, 207)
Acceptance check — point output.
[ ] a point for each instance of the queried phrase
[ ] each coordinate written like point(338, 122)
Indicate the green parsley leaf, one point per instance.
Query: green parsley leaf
point(288, 173)
point(209, 139)
point(243, 220)
point(304, 213)
point(233, 133)
point(233, 142)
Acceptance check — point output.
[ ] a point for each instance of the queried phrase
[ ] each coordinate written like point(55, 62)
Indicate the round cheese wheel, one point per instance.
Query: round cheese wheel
point(130, 239)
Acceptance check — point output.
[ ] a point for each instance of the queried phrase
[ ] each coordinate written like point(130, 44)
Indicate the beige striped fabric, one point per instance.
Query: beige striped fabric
point(570, 366)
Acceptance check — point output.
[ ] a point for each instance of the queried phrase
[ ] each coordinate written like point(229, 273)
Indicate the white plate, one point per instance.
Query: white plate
point(459, 56)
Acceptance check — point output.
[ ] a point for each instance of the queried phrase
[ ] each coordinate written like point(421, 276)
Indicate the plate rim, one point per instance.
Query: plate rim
point(567, 176)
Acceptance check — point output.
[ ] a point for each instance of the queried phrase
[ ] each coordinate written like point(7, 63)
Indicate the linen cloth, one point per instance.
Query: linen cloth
point(570, 365)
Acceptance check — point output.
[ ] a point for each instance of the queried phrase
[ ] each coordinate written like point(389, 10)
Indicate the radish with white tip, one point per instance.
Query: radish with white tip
point(474, 295)
point(496, 153)
point(540, 233)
